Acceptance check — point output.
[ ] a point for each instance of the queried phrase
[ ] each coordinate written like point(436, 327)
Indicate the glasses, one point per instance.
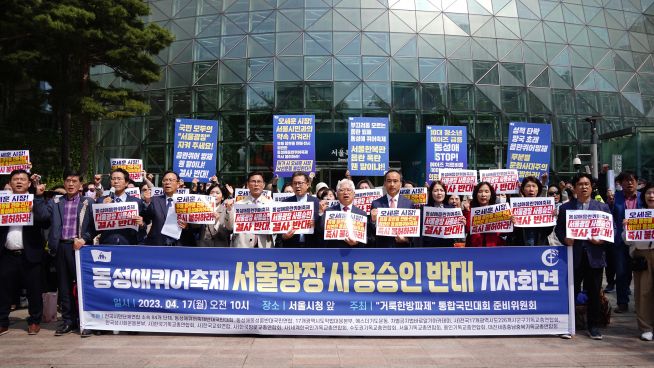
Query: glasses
point(169, 180)
point(552, 193)
point(296, 183)
point(345, 190)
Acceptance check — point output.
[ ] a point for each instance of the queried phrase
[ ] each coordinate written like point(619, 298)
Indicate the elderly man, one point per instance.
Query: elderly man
point(255, 183)
point(589, 258)
point(345, 196)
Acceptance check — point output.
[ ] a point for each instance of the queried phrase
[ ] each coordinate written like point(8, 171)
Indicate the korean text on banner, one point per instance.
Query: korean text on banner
point(281, 197)
point(16, 210)
point(340, 225)
point(361, 292)
point(133, 166)
point(504, 181)
point(586, 225)
point(640, 224)
point(416, 195)
point(195, 150)
point(533, 211)
point(529, 149)
point(447, 148)
point(293, 144)
point(398, 222)
point(14, 160)
point(252, 218)
point(495, 218)
point(113, 216)
point(195, 208)
point(443, 223)
point(459, 181)
point(292, 215)
point(368, 146)
point(133, 192)
point(363, 198)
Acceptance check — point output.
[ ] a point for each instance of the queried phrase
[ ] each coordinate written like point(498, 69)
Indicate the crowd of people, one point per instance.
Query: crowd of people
point(63, 223)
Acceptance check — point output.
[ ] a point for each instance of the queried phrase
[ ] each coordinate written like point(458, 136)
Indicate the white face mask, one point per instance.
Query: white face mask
point(90, 194)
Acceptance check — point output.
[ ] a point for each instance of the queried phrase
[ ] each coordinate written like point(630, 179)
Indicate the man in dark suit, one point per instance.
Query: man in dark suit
point(300, 182)
point(345, 196)
point(21, 256)
point(626, 199)
point(119, 180)
point(392, 199)
point(157, 211)
point(71, 228)
point(589, 258)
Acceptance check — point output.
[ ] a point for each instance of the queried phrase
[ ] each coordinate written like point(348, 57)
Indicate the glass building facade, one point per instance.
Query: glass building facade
point(477, 63)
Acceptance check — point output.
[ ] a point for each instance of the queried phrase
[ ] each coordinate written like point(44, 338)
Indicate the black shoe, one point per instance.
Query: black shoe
point(97, 332)
point(622, 308)
point(64, 329)
point(85, 333)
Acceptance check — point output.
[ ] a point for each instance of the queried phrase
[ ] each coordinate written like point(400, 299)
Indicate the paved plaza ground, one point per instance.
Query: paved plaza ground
point(620, 348)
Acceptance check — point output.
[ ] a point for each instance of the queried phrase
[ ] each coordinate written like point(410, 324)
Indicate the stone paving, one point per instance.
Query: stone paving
point(620, 348)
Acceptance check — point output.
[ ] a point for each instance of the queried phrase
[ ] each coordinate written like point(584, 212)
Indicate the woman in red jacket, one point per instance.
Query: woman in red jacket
point(482, 195)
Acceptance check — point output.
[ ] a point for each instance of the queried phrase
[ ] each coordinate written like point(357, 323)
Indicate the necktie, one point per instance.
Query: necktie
point(170, 203)
point(346, 208)
point(118, 200)
point(393, 204)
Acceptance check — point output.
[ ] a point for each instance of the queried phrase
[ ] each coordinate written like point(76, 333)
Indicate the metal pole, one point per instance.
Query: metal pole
point(593, 147)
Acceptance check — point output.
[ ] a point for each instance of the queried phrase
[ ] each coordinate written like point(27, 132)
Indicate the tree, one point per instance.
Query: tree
point(60, 41)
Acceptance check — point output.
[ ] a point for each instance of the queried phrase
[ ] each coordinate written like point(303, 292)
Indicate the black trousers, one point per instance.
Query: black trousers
point(67, 274)
point(16, 270)
point(592, 280)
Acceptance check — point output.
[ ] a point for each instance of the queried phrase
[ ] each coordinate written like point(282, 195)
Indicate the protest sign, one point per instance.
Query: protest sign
point(183, 191)
point(158, 191)
point(640, 224)
point(529, 149)
point(459, 181)
point(16, 210)
point(444, 223)
point(293, 144)
point(252, 218)
point(533, 211)
point(495, 218)
point(133, 192)
point(281, 197)
point(586, 225)
point(114, 216)
point(195, 208)
point(14, 160)
point(195, 150)
point(398, 222)
point(292, 215)
point(242, 193)
point(504, 181)
point(340, 225)
point(367, 146)
point(416, 195)
point(363, 198)
point(132, 165)
point(447, 148)
point(331, 202)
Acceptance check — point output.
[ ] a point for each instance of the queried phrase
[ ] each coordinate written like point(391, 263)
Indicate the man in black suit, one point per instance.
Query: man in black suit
point(71, 227)
point(119, 181)
point(300, 182)
point(392, 199)
point(158, 210)
point(345, 196)
point(21, 256)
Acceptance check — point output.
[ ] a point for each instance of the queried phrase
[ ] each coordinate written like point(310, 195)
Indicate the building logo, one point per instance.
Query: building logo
point(100, 256)
point(550, 257)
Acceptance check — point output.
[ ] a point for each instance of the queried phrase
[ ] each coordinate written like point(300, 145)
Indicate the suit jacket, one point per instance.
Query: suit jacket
point(156, 213)
point(122, 236)
point(389, 241)
point(618, 214)
point(596, 253)
point(310, 240)
point(340, 243)
point(245, 240)
point(85, 230)
point(33, 241)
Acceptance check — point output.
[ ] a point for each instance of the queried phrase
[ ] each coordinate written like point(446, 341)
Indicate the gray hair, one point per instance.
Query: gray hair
point(344, 183)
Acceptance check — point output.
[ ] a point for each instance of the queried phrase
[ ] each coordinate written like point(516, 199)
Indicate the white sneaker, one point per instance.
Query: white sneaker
point(646, 336)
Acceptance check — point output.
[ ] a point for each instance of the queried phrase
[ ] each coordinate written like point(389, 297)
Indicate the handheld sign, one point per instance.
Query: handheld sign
point(495, 218)
point(416, 195)
point(533, 211)
point(293, 144)
point(504, 181)
point(340, 225)
point(252, 218)
point(529, 149)
point(195, 150)
point(367, 146)
point(640, 224)
point(132, 165)
point(459, 181)
point(281, 197)
point(114, 216)
point(447, 148)
point(363, 198)
point(14, 160)
point(586, 225)
point(133, 192)
point(195, 208)
point(398, 222)
point(444, 223)
point(292, 215)
point(16, 210)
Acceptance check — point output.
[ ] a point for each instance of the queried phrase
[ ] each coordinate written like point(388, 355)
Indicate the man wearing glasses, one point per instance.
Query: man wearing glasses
point(119, 181)
point(300, 184)
point(255, 184)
